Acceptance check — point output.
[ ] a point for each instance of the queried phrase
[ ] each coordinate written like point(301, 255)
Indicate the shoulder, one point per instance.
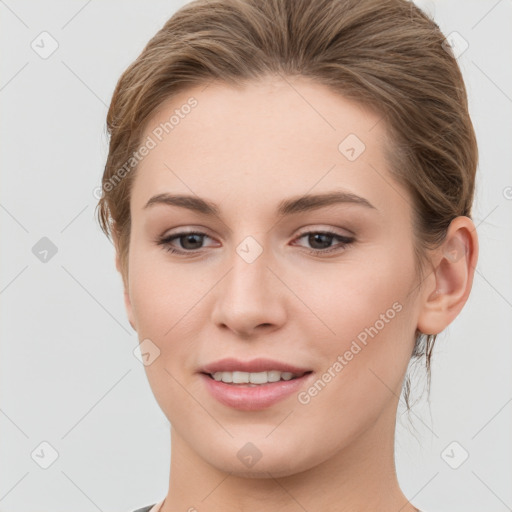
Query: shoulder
point(145, 509)
point(151, 508)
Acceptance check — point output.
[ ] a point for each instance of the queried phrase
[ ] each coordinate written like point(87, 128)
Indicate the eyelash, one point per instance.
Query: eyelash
point(344, 242)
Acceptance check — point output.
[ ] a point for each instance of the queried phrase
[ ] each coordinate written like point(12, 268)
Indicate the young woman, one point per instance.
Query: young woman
point(289, 187)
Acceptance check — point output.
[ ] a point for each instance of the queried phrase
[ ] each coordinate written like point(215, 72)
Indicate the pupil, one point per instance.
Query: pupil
point(191, 236)
point(312, 240)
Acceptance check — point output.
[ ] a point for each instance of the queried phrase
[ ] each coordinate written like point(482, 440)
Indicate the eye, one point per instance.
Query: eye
point(190, 241)
point(323, 239)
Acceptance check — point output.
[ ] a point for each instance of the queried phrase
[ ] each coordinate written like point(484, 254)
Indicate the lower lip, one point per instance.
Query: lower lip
point(253, 398)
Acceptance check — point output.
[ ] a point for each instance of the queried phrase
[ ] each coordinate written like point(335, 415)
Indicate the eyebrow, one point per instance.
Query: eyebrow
point(286, 207)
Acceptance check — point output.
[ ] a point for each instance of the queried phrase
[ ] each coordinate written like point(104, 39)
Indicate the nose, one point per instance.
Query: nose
point(250, 299)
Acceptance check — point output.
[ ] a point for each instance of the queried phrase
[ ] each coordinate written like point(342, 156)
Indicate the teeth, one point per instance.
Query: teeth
point(253, 378)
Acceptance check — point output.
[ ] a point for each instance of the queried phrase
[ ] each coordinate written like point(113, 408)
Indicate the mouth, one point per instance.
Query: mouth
point(255, 384)
point(253, 379)
point(254, 391)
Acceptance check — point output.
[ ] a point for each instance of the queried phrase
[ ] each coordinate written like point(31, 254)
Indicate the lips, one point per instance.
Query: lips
point(252, 366)
point(253, 396)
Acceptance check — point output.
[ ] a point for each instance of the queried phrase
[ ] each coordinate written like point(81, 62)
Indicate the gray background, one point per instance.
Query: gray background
point(68, 376)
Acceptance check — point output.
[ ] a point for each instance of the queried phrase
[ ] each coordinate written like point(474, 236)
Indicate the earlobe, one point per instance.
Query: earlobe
point(454, 267)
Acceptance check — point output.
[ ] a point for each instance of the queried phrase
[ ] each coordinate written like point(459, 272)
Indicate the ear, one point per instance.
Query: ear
point(126, 290)
point(454, 268)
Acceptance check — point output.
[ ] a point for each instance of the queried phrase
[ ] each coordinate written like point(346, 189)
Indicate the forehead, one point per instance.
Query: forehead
point(261, 140)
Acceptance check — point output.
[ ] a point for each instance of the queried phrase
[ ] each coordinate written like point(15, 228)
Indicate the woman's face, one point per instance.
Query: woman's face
point(250, 285)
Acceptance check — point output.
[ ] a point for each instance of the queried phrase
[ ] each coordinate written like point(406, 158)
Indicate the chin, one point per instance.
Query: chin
point(271, 463)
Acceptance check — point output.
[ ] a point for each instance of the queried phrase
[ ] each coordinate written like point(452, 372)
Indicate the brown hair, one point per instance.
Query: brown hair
point(385, 54)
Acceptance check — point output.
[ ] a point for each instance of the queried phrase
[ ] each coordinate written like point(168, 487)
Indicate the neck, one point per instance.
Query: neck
point(358, 478)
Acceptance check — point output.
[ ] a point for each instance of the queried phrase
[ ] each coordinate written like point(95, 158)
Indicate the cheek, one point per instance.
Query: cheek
point(369, 314)
point(364, 366)
point(355, 295)
point(161, 294)
point(163, 300)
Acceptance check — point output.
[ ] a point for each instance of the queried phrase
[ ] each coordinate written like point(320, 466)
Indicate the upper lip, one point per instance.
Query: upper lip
point(253, 366)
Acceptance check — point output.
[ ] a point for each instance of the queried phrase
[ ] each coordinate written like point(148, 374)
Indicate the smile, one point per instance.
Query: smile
point(246, 395)
point(254, 378)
